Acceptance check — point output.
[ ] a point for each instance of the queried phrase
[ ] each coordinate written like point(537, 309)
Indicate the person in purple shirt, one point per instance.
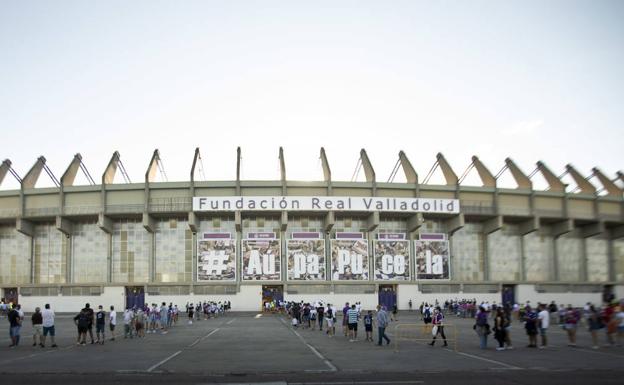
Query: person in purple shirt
point(345, 328)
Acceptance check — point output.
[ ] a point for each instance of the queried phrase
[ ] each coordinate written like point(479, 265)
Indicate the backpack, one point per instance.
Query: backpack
point(83, 320)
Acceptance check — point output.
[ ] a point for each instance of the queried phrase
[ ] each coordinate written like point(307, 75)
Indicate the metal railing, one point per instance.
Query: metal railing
point(422, 333)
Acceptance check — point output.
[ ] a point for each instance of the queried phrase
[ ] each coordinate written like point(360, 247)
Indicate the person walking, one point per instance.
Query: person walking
point(543, 318)
point(37, 322)
point(571, 319)
point(15, 324)
point(368, 326)
point(100, 324)
point(438, 324)
point(112, 322)
point(594, 324)
point(382, 324)
point(499, 328)
point(530, 325)
point(481, 327)
point(352, 317)
point(48, 325)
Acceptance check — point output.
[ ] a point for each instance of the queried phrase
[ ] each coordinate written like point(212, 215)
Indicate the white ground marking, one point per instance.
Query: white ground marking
point(358, 382)
point(486, 360)
point(230, 321)
point(258, 316)
point(331, 366)
point(203, 338)
point(163, 361)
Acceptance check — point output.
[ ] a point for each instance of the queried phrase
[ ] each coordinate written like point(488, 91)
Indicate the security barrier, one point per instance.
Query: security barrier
point(422, 333)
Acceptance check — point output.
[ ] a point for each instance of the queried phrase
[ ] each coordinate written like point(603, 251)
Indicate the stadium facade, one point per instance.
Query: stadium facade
point(249, 241)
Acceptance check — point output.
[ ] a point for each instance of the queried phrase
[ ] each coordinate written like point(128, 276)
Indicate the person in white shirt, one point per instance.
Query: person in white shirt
point(48, 325)
point(128, 315)
point(544, 322)
point(112, 321)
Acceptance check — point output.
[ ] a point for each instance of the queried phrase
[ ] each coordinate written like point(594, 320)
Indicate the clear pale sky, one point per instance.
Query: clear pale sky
point(530, 80)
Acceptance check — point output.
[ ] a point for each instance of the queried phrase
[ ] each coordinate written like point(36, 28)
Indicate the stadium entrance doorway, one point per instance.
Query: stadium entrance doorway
point(10, 295)
point(508, 295)
point(387, 296)
point(272, 293)
point(135, 296)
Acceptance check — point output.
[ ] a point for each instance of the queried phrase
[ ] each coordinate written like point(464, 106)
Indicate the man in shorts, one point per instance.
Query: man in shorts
point(543, 322)
point(48, 325)
point(82, 323)
point(352, 319)
point(15, 324)
point(37, 321)
point(112, 322)
point(91, 317)
point(100, 324)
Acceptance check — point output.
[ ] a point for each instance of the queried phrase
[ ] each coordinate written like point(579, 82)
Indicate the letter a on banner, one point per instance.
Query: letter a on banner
point(261, 260)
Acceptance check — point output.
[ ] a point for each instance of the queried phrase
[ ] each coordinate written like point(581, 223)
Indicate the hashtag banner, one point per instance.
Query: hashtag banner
point(216, 260)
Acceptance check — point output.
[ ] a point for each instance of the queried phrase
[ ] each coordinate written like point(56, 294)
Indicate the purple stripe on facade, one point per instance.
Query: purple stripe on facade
point(217, 236)
point(432, 237)
point(306, 235)
point(349, 236)
point(266, 235)
point(391, 236)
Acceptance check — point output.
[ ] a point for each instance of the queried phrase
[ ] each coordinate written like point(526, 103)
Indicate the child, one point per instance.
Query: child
point(368, 325)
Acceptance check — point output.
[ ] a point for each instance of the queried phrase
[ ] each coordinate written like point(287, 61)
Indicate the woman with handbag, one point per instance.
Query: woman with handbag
point(499, 328)
point(438, 326)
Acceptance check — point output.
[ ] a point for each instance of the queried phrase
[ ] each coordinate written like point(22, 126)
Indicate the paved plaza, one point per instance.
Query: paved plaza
point(264, 348)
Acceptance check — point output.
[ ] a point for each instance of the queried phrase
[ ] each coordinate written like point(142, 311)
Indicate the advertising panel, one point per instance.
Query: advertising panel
point(432, 259)
point(261, 260)
point(306, 259)
point(392, 260)
point(349, 259)
point(216, 259)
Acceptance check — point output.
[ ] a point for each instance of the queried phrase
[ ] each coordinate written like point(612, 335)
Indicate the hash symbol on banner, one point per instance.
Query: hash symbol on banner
point(214, 263)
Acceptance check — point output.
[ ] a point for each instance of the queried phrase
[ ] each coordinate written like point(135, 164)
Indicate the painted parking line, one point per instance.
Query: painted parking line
point(486, 360)
point(163, 361)
point(230, 321)
point(407, 382)
point(332, 367)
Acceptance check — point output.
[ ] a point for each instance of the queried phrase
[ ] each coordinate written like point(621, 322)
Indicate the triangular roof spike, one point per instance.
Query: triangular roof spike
point(410, 173)
point(325, 165)
point(238, 164)
point(68, 177)
point(150, 174)
point(554, 183)
point(109, 173)
point(195, 158)
point(447, 170)
point(282, 165)
point(31, 178)
point(522, 180)
point(620, 175)
point(611, 188)
point(486, 176)
point(581, 181)
point(369, 172)
point(4, 169)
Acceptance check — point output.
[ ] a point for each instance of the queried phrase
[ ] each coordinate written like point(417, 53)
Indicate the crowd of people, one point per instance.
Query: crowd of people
point(608, 319)
point(137, 321)
point(489, 319)
point(315, 315)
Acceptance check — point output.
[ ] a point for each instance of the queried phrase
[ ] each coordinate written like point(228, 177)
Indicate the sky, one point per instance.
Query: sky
point(529, 80)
